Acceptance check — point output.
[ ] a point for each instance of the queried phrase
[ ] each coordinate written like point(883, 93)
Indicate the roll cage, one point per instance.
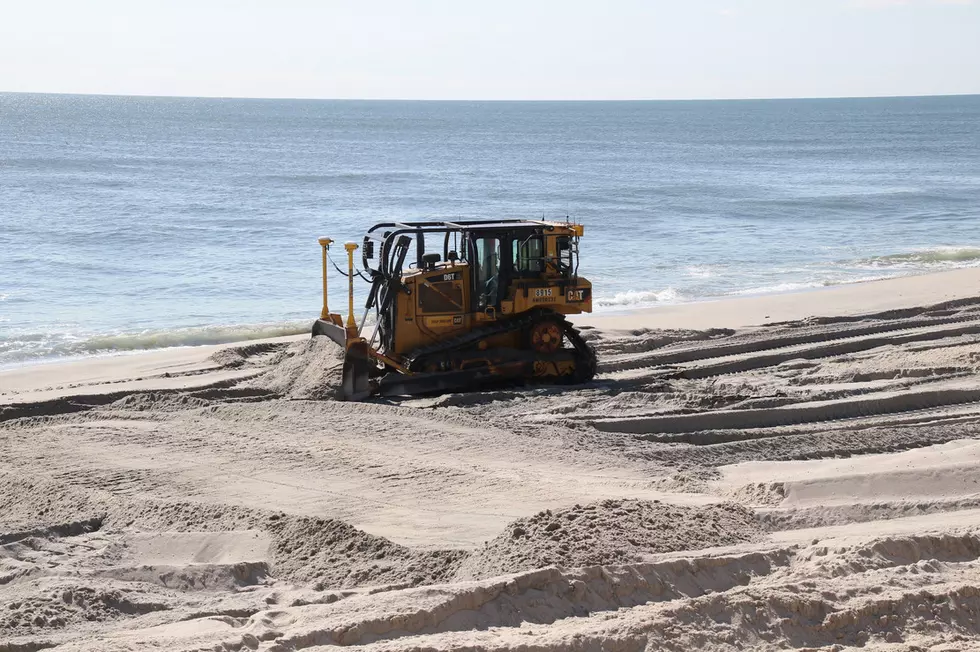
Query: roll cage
point(387, 246)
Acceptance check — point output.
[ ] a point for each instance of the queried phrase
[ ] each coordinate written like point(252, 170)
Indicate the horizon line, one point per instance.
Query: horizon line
point(396, 99)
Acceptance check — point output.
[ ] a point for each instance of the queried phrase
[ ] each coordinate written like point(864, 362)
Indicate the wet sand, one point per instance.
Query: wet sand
point(783, 471)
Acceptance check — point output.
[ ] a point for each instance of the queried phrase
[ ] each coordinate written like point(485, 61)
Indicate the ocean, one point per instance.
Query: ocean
point(129, 223)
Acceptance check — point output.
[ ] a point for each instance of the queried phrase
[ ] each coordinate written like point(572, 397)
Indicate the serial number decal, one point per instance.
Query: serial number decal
point(543, 292)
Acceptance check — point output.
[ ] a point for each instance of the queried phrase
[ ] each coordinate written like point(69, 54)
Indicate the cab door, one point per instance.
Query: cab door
point(442, 300)
point(488, 283)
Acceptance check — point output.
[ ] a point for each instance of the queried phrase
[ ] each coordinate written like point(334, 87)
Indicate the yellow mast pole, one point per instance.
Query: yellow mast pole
point(351, 324)
point(325, 244)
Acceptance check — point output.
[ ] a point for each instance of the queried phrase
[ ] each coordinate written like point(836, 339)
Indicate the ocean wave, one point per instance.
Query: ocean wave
point(942, 257)
point(344, 177)
point(162, 339)
point(699, 271)
point(638, 298)
point(778, 288)
point(28, 347)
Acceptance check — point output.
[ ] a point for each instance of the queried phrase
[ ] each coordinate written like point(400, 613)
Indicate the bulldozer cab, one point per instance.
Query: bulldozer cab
point(442, 277)
point(501, 258)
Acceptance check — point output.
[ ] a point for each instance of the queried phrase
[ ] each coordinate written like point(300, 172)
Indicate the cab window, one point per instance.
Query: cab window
point(528, 255)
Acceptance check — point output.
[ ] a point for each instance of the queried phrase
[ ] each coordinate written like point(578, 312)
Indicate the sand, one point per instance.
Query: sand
point(797, 471)
point(608, 532)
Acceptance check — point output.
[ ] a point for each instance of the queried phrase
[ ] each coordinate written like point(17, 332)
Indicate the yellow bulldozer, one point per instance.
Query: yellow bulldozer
point(481, 304)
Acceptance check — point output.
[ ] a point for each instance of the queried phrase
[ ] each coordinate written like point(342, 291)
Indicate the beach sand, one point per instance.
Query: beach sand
point(785, 471)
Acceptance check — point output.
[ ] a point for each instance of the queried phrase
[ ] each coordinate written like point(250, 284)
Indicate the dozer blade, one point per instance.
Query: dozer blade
point(356, 385)
point(335, 332)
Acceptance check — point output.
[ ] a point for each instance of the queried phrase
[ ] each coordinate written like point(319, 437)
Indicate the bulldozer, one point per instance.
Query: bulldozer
point(461, 306)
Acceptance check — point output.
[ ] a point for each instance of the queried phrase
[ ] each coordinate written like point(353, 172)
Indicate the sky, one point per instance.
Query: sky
point(492, 49)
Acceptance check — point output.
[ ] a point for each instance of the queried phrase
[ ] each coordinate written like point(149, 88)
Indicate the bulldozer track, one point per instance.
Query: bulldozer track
point(829, 350)
point(925, 402)
point(791, 415)
point(693, 354)
point(585, 362)
point(774, 355)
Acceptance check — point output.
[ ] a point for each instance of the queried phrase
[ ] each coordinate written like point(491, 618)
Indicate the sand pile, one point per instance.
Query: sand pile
point(331, 554)
point(325, 552)
point(159, 402)
point(609, 532)
point(308, 369)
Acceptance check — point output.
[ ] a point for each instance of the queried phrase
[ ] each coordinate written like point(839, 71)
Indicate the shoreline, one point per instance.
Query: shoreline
point(755, 310)
point(848, 299)
point(165, 367)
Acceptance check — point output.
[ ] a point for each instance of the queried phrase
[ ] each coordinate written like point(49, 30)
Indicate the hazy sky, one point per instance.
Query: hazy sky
point(495, 49)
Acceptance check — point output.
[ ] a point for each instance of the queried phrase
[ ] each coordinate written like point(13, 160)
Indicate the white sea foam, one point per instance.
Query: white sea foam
point(29, 347)
point(159, 339)
point(700, 271)
point(923, 259)
point(639, 298)
point(778, 288)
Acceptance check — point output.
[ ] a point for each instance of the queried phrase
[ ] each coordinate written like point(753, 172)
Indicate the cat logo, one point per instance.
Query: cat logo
point(457, 320)
point(575, 295)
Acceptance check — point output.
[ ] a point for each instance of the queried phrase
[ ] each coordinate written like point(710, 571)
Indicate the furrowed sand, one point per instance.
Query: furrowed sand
point(798, 470)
